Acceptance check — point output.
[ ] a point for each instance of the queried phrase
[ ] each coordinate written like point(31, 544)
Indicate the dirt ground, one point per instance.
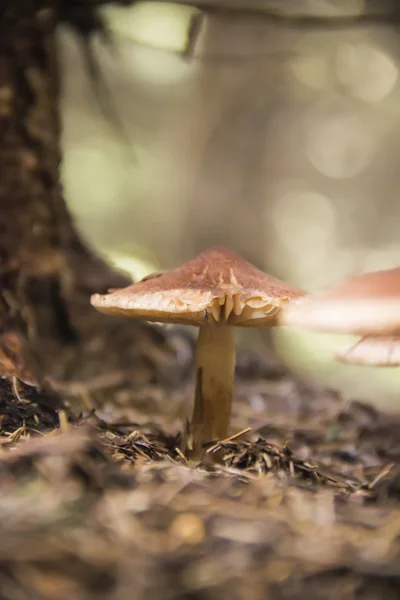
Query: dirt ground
point(98, 500)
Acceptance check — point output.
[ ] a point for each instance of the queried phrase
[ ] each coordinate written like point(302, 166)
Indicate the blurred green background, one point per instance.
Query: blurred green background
point(281, 143)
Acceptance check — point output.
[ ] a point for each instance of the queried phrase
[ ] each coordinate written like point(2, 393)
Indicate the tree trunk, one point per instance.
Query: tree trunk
point(46, 272)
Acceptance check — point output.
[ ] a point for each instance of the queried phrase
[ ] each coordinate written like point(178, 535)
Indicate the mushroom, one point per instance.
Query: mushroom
point(215, 291)
point(372, 351)
point(367, 305)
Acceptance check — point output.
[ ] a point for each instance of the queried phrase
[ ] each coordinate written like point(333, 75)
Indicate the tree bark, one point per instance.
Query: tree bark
point(46, 272)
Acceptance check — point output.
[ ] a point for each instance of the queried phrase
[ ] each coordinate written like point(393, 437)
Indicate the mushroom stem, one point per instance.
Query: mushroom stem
point(215, 368)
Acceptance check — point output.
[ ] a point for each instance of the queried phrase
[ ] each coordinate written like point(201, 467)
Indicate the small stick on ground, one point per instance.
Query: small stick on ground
point(235, 436)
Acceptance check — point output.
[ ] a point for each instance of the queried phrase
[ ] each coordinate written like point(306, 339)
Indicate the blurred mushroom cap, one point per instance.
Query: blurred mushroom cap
point(372, 351)
point(365, 305)
point(216, 286)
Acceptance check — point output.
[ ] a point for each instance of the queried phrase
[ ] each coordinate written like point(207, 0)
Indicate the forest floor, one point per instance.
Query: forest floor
point(98, 501)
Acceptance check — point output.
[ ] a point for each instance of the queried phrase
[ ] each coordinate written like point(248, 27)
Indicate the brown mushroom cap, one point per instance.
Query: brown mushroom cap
point(379, 351)
point(365, 305)
point(216, 286)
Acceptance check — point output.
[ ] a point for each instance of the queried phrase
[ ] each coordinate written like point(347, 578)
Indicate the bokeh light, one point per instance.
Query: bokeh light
point(308, 212)
point(153, 24)
point(340, 146)
point(368, 72)
point(311, 69)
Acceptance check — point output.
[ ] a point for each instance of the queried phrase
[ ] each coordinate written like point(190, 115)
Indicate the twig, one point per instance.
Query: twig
point(228, 439)
point(382, 473)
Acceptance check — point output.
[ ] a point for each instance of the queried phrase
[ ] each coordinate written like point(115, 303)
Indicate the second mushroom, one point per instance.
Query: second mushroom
point(366, 305)
point(216, 291)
